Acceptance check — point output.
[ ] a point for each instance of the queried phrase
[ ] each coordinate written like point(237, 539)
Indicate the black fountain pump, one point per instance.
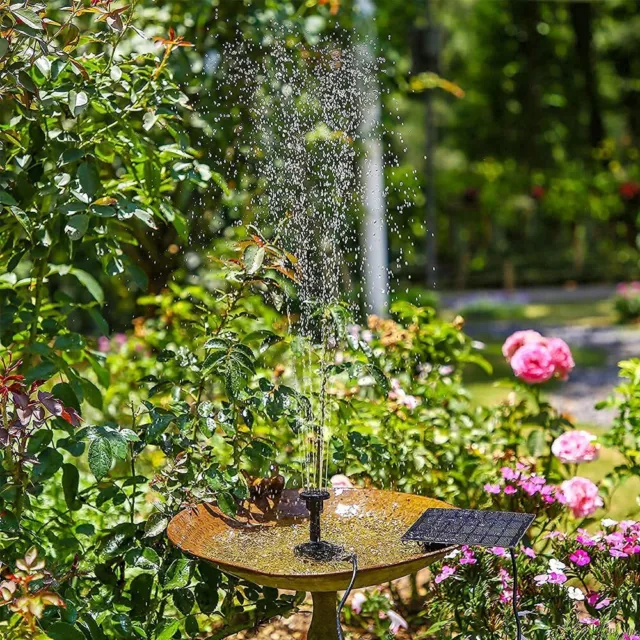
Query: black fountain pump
point(317, 549)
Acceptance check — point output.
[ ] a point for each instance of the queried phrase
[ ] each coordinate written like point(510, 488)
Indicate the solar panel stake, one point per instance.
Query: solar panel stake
point(447, 527)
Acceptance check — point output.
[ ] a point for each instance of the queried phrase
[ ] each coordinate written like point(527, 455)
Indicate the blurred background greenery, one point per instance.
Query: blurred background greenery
point(535, 169)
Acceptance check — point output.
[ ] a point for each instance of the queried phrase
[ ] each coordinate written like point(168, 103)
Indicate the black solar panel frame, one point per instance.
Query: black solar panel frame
point(470, 527)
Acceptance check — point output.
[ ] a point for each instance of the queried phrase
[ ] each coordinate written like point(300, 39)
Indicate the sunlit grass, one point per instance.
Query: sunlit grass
point(583, 313)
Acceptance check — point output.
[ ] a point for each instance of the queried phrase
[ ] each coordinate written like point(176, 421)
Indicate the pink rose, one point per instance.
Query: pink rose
point(519, 339)
point(561, 356)
point(582, 496)
point(575, 447)
point(533, 363)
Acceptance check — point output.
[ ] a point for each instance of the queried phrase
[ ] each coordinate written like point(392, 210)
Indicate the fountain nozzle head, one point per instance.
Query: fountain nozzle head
point(317, 549)
point(315, 499)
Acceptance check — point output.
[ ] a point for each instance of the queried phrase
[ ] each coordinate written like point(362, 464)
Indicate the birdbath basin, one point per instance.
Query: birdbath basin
point(259, 547)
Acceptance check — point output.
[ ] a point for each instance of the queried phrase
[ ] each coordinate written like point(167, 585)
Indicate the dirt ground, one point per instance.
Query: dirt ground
point(295, 627)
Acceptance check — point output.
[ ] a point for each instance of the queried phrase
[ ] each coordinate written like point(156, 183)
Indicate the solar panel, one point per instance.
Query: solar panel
point(466, 526)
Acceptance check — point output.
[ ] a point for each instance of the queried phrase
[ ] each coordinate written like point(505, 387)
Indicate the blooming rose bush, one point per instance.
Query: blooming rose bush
point(525, 468)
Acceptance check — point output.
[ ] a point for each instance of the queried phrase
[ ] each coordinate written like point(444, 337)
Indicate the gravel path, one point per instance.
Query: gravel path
point(586, 385)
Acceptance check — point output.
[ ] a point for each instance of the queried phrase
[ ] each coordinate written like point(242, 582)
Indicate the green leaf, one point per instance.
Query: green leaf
point(69, 342)
point(536, 443)
point(39, 440)
point(141, 594)
point(77, 226)
point(22, 218)
point(118, 443)
point(152, 176)
point(70, 155)
point(29, 18)
point(4, 46)
point(64, 391)
point(207, 597)
point(78, 102)
point(42, 371)
point(70, 484)
point(381, 379)
point(155, 525)
point(44, 66)
point(100, 457)
point(148, 120)
point(146, 217)
point(216, 343)
point(89, 178)
point(183, 599)
point(137, 274)
point(168, 630)
point(178, 574)
point(122, 624)
point(235, 379)
point(227, 504)
point(49, 461)
point(64, 631)
point(119, 541)
point(221, 182)
point(91, 393)
point(149, 560)
point(8, 522)
point(7, 198)
point(253, 258)
point(90, 284)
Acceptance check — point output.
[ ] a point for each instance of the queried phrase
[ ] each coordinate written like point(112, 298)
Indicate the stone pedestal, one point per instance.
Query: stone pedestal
point(323, 622)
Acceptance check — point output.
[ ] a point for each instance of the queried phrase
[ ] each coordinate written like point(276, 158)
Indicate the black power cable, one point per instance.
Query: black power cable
point(515, 593)
point(354, 563)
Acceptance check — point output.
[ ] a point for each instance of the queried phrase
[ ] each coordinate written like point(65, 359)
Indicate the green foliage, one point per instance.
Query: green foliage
point(627, 302)
point(105, 178)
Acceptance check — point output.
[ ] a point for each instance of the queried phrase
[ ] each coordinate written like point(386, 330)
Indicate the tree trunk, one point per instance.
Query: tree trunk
point(582, 20)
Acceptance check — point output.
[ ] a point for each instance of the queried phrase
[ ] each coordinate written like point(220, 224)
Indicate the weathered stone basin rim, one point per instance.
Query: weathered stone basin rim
point(259, 548)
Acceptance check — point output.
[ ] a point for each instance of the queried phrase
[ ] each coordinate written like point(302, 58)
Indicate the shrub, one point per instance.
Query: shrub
point(627, 301)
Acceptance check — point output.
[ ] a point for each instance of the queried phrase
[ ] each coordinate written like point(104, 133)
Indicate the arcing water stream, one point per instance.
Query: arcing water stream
point(315, 143)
